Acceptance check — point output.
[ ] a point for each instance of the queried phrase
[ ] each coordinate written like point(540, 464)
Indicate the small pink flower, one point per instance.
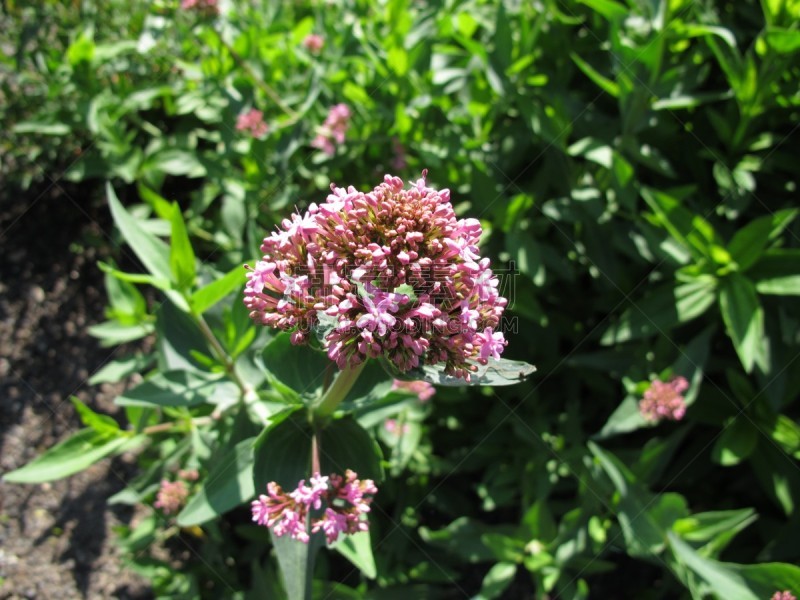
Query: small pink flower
point(664, 400)
point(333, 129)
point(422, 389)
point(785, 595)
point(491, 344)
point(171, 496)
point(252, 122)
point(313, 42)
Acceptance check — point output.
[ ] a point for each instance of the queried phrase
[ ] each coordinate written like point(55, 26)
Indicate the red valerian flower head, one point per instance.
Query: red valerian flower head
point(391, 273)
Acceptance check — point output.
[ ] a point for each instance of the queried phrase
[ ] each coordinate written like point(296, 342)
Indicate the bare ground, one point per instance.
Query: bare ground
point(56, 539)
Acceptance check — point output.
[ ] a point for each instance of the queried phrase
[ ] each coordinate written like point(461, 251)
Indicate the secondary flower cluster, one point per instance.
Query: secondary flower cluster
point(390, 273)
point(313, 42)
point(172, 495)
point(206, 8)
point(333, 129)
point(422, 389)
point(784, 595)
point(342, 501)
point(252, 122)
point(664, 400)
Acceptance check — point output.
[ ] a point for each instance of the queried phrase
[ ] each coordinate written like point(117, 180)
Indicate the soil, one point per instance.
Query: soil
point(56, 539)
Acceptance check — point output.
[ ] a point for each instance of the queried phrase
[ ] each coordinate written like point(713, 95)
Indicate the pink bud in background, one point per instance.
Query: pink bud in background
point(205, 8)
point(664, 400)
point(252, 122)
point(171, 496)
point(313, 42)
point(422, 389)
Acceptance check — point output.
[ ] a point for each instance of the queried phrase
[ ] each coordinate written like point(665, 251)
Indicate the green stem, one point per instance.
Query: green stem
point(227, 361)
point(171, 425)
point(338, 390)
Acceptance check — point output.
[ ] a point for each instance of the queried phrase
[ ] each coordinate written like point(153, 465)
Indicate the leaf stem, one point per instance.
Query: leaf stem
point(338, 390)
point(169, 426)
point(222, 355)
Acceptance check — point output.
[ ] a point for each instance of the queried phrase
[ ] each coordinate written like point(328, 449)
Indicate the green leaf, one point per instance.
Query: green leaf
point(74, 454)
point(538, 522)
point(299, 367)
point(100, 423)
point(174, 161)
point(283, 451)
point(624, 419)
point(780, 484)
point(121, 277)
point(494, 373)
point(296, 561)
point(702, 527)
point(643, 535)
point(117, 370)
point(604, 83)
point(766, 578)
point(161, 206)
point(357, 549)
point(179, 338)
point(209, 295)
point(345, 445)
point(691, 230)
point(181, 255)
point(782, 40)
point(228, 485)
point(786, 432)
point(744, 321)
point(112, 333)
point(662, 309)
point(720, 579)
point(509, 548)
point(153, 253)
point(736, 443)
point(748, 244)
point(497, 580)
point(778, 272)
point(171, 388)
point(57, 129)
point(462, 538)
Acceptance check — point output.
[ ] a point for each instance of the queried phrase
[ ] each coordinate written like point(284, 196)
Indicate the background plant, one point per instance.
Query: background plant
point(634, 161)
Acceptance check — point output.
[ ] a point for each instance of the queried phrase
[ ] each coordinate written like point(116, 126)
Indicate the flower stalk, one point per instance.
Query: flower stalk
point(334, 395)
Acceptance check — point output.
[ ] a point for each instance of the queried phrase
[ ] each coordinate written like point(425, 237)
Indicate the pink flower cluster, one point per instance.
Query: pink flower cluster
point(252, 122)
point(206, 8)
point(171, 496)
point(664, 400)
point(785, 595)
point(393, 427)
point(342, 499)
point(391, 273)
point(333, 129)
point(422, 389)
point(313, 42)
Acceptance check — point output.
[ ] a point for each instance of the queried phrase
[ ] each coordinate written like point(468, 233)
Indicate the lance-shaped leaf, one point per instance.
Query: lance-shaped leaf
point(494, 373)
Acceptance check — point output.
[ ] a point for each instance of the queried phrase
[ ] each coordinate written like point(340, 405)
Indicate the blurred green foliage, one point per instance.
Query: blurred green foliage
point(635, 166)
